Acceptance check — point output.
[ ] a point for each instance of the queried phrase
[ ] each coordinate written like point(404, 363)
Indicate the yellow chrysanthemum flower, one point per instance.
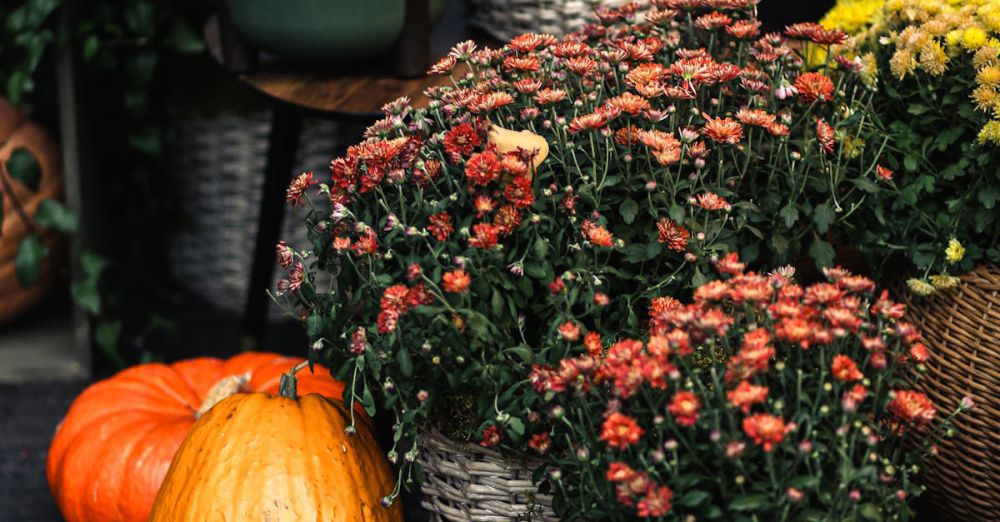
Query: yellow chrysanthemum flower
point(920, 287)
point(973, 38)
point(944, 281)
point(933, 58)
point(990, 133)
point(955, 251)
point(985, 97)
point(953, 38)
point(989, 75)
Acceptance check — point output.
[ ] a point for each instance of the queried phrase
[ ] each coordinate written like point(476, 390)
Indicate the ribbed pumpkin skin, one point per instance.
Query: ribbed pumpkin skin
point(111, 452)
point(263, 457)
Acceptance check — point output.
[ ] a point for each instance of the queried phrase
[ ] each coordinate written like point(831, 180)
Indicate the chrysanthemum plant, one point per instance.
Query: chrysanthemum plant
point(562, 182)
point(937, 66)
point(760, 400)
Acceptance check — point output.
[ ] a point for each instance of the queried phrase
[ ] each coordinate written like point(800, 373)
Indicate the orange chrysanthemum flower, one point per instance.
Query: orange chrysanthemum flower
point(745, 394)
point(722, 130)
point(456, 281)
point(813, 86)
point(620, 431)
point(765, 429)
point(685, 407)
point(674, 235)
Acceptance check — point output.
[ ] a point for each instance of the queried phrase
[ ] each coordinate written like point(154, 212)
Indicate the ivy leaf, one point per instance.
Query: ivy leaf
point(53, 214)
point(629, 209)
point(28, 260)
point(23, 166)
point(106, 335)
point(824, 216)
point(749, 502)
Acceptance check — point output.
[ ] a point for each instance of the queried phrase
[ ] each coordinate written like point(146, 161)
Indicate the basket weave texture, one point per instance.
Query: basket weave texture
point(962, 328)
point(469, 483)
point(219, 165)
point(505, 19)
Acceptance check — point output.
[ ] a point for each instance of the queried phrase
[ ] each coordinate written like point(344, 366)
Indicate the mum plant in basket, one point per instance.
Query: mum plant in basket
point(568, 182)
point(936, 64)
point(760, 400)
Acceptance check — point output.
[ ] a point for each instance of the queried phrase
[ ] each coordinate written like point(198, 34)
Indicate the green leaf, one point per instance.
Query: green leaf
point(790, 214)
point(91, 44)
point(53, 214)
point(692, 498)
point(629, 209)
point(86, 296)
point(106, 336)
point(822, 253)
point(804, 482)
point(405, 362)
point(367, 401)
point(314, 326)
point(28, 260)
point(516, 425)
point(988, 196)
point(749, 502)
point(677, 213)
point(917, 109)
point(824, 216)
point(910, 162)
point(23, 166)
point(523, 352)
point(871, 512)
point(183, 38)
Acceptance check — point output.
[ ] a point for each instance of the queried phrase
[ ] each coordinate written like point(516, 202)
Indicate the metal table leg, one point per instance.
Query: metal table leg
point(285, 126)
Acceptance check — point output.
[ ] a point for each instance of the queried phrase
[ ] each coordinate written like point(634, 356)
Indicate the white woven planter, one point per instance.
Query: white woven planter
point(505, 19)
point(219, 165)
point(470, 483)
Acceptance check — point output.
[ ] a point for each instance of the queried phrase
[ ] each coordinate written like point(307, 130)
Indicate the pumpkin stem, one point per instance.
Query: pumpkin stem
point(229, 385)
point(288, 385)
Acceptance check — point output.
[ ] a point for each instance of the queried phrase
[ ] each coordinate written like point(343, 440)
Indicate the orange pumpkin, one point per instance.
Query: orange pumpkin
point(259, 456)
point(112, 451)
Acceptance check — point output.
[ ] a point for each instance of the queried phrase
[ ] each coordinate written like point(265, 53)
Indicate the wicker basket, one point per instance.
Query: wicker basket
point(505, 19)
point(469, 483)
point(219, 165)
point(962, 328)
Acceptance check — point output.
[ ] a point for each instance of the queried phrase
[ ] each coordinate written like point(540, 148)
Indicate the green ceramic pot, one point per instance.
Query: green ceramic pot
point(323, 29)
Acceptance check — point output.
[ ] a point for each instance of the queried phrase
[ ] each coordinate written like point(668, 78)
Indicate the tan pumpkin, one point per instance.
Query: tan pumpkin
point(109, 456)
point(267, 457)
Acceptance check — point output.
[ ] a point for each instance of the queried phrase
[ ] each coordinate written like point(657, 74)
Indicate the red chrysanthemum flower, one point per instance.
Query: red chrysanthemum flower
point(722, 130)
point(685, 407)
point(456, 281)
point(518, 192)
point(540, 442)
point(656, 503)
point(825, 135)
point(460, 141)
point(440, 226)
point(507, 219)
point(674, 235)
point(758, 117)
point(484, 235)
point(713, 20)
point(491, 437)
point(813, 86)
point(620, 431)
point(570, 331)
point(550, 96)
point(883, 173)
point(298, 187)
point(482, 168)
point(367, 243)
point(712, 201)
point(599, 236)
point(744, 29)
point(912, 407)
point(629, 103)
point(845, 369)
point(528, 42)
point(745, 394)
point(765, 429)
point(589, 122)
point(816, 33)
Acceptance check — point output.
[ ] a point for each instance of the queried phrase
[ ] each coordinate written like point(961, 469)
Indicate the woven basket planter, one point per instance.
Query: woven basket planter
point(962, 328)
point(470, 483)
point(219, 163)
point(505, 19)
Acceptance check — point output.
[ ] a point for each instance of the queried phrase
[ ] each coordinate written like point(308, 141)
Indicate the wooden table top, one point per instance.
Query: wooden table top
point(351, 90)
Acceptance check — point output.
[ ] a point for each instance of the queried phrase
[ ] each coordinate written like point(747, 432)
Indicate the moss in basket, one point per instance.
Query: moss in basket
point(671, 145)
